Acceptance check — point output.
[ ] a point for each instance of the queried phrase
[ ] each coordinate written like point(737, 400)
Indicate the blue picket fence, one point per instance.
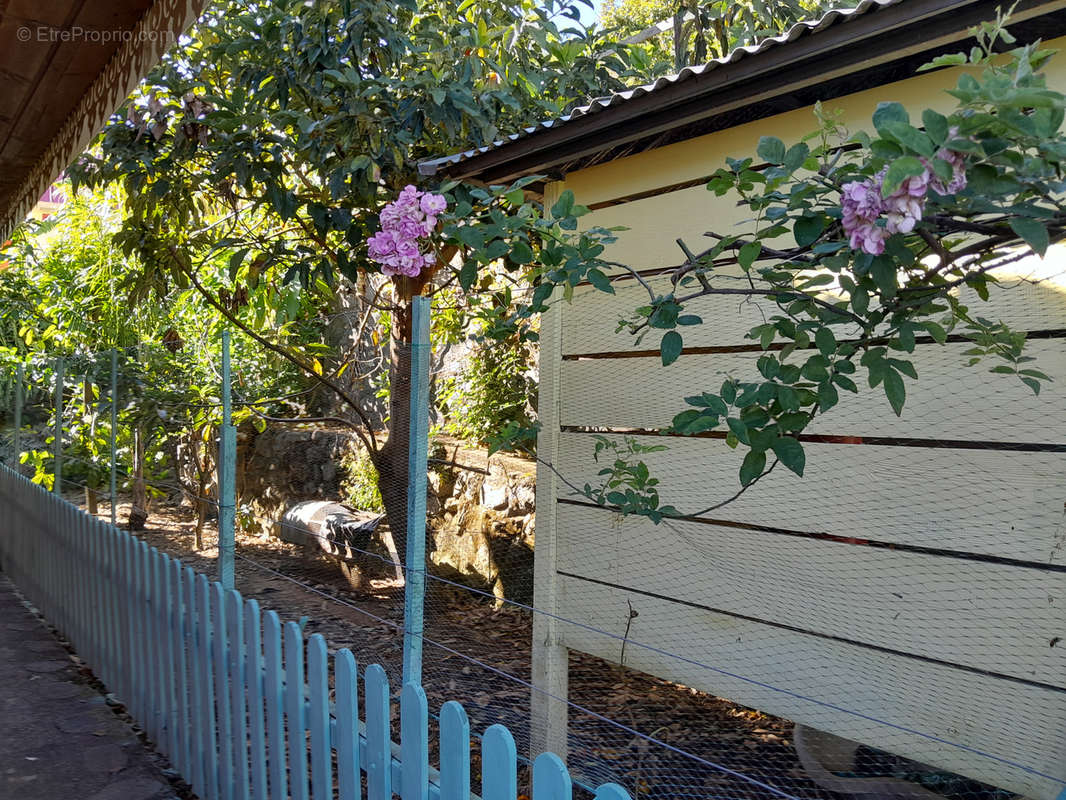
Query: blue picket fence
point(237, 700)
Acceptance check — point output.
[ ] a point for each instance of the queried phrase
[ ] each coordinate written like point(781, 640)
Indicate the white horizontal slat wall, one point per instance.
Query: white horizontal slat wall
point(909, 592)
point(1024, 725)
point(949, 401)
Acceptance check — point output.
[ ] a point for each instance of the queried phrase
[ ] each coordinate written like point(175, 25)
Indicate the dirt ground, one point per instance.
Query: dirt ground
point(480, 655)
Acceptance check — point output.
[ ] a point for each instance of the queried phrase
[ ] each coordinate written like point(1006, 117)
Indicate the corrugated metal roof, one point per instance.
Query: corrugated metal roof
point(797, 31)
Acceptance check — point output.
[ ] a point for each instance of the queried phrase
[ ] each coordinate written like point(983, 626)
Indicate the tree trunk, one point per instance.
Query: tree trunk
point(139, 502)
point(91, 504)
point(202, 472)
point(392, 459)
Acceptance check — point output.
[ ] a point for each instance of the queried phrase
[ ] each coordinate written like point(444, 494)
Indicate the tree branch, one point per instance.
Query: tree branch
point(367, 437)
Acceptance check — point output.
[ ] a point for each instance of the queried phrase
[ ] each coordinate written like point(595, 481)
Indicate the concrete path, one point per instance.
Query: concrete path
point(58, 738)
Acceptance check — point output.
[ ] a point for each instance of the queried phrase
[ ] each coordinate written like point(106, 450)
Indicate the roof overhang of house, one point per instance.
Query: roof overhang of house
point(66, 65)
point(880, 42)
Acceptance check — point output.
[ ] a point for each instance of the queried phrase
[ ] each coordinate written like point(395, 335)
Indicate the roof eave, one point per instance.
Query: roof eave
point(883, 36)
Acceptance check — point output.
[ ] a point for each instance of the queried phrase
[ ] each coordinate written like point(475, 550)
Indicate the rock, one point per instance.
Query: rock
point(523, 499)
point(494, 495)
point(329, 472)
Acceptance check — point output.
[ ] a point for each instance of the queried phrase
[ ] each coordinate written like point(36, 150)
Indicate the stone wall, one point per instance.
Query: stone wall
point(482, 519)
point(480, 509)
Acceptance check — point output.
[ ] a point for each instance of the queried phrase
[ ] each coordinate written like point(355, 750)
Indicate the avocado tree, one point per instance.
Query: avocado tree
point(276, 133)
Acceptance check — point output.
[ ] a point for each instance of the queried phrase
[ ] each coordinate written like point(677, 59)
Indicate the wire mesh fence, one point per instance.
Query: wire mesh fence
point(890, 624)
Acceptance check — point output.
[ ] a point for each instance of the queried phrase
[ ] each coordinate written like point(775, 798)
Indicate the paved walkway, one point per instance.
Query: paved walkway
point(58, 738)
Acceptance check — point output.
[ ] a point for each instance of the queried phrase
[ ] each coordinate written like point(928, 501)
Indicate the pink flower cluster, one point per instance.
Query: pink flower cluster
point(407, 220)
point(863, 203)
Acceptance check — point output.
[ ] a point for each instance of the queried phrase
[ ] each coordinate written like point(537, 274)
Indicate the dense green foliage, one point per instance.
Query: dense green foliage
point(496, 390)
point(64, 293)
point(698, 30)
point(273, 136)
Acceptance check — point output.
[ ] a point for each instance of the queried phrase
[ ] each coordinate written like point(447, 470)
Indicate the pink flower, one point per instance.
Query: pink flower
point(861, 204)
point(410, 228)
point(381, 244)
point(957, 183)
point(862, 199)
point(405, 248)
point(905, 206)
point(432, 204)
point(408, 219)
point(869, 238)
point(903, 213)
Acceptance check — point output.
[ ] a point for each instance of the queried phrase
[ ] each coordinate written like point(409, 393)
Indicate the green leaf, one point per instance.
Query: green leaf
point(600, 281)
point(886, 149)
point(563, 206)
point(936, 125)
point(728, 392)
point(895, 391)
point(236, 260)
point(827, 396)
point(898, 171)
point(860, 300)
point(1033, 232)
point(468, 274)
point(795, 156)
point(911, 137)
point(521, 253)
point(826, 341)
point(889, 112)
point(791, 454)
point(771, 149)
point(948, 60)
point(752, 467)
point(747, 255)
point(738, 429)
point(940, 336)
point(883, 271)
point(788, 398)
point(670, 347)
point(807, 229)
point(515, 197)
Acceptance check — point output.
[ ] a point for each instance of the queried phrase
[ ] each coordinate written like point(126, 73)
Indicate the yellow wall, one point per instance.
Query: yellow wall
point(702, 156)
point(803, 614)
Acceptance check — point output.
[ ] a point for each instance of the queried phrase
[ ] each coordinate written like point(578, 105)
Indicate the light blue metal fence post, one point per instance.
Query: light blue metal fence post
point(57, 442)
point(417, 467)
point(227, 477)
point(17, 444)
point(113, 437)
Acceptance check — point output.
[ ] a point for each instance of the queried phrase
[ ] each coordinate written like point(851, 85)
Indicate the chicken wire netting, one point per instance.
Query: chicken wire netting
point(889, 624)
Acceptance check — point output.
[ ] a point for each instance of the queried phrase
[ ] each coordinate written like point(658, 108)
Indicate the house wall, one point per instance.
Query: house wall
point(909, 592)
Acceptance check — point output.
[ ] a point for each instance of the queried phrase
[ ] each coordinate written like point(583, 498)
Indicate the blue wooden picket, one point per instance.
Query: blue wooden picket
point(295, 711)
point(347, 708)
point(239, 702)
point(238, 694)
point(454, 752)
point(257, 766)
point(551, 781)
point(499, 765)
point(318, 719)
point(274, 689)
point(378, 738)
point(414, 743)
